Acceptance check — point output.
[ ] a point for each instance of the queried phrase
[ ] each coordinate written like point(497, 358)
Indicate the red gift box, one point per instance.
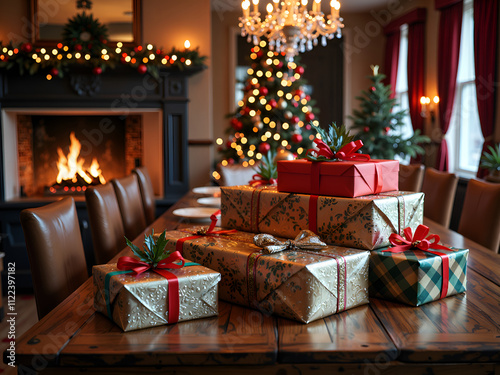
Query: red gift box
point(339, 178)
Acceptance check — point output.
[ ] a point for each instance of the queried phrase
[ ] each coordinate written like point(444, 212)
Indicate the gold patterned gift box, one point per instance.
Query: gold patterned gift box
point(364, 222)
point(302, 285)
point(143, 301)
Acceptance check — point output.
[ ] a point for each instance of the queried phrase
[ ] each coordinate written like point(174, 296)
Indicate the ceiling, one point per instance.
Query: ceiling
point(346, 5)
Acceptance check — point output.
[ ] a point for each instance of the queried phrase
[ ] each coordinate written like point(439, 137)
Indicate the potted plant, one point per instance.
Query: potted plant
point(490, 160)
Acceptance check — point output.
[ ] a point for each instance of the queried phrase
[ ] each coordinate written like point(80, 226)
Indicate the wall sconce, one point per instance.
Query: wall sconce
point(428, 109)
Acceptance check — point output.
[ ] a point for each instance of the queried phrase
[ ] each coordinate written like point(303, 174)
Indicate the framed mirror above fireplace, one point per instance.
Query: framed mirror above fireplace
point(122, 19)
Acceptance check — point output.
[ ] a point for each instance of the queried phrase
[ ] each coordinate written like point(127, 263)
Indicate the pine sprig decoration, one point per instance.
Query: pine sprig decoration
point(335, 138)
point(267, 167)
point(153, 250)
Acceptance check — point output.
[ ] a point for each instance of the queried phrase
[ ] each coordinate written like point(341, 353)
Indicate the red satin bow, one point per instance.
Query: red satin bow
point(423, 242)
point(420, 240)
point(257, 180)
point(138, 266)
point(348, 152)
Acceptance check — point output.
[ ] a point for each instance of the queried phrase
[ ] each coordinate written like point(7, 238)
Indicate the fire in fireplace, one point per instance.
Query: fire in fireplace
point(73, 177)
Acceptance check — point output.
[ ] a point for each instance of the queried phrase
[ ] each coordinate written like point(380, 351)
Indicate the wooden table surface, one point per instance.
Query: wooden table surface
point(379, 338)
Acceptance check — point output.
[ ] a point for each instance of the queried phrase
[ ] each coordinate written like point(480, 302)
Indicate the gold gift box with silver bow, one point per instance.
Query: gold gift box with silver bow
point(303, 284)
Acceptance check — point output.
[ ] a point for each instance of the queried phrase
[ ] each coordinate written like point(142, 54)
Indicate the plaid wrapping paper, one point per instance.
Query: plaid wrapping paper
point(299, 285)
point(142, 301)
point(363, 222)
point(415, 277)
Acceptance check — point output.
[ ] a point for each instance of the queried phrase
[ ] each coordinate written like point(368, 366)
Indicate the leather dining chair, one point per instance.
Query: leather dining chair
point(147, 193)
point(439, 189)
point(410, 177)
point(128, 194)
point(55, 251)
point(106, 225)
point(480, 217)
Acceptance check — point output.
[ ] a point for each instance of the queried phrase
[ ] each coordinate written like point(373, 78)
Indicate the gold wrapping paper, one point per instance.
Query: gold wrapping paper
point(142, 302)
point(363, 222)
point(302, 285)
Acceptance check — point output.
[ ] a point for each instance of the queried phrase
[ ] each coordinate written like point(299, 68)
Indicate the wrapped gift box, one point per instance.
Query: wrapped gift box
point(340, 178)
point(142, 301)
point(415, 277)
point(364, 222)
point(300, 285)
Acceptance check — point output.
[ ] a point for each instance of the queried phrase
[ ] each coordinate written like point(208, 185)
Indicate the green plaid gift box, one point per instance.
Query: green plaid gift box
point(415, 277)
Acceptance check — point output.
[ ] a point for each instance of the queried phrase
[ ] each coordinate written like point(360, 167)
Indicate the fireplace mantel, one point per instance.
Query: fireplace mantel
point(119, 91)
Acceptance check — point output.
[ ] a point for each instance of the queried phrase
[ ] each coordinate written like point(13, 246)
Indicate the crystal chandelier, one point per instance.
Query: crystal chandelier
point(289, 26)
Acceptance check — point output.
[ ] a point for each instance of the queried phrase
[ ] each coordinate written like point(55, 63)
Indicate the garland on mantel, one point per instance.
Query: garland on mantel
point(58, 61)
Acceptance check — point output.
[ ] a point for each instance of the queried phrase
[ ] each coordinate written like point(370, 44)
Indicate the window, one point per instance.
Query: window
point(401, 92)
point(464, 136)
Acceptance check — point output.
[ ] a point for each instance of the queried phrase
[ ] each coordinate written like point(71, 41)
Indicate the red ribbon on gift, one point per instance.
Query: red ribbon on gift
point(128, 263)
point(258, 180)
point(425, 243)
point(205, 232)
point(346, 153)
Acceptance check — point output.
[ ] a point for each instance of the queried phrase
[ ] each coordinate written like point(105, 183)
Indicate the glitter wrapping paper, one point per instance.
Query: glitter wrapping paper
point(416, 277)
point(142, 302)
point(299, 285)
point(363, 222)
point(339, 178)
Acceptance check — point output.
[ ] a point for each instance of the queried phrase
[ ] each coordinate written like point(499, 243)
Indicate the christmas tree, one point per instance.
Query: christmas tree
point(275, 112)
point(379, 125)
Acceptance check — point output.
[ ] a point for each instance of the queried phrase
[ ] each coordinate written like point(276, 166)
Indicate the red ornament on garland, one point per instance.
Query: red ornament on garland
point(142, 69)
point(295, 120)
point(299, 70)
point(27, 47)
point(54, 72)
point(273, 103)
point(280, 65)
point(366, 129)
point(78, 47)
point(264, 148)
point(97, 70)
point(373, 88)
point(310, 116)
point(296, 138)
point(263, 91)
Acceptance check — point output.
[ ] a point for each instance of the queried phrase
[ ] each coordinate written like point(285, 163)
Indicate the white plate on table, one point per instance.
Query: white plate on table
point(208, 190)
point(196, 213)
point(209, 201)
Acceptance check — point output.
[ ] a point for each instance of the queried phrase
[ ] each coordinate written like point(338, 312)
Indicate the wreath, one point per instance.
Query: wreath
point(83, 33)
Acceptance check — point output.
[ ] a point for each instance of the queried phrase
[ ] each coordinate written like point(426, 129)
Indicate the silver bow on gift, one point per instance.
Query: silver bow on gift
point(305, 240)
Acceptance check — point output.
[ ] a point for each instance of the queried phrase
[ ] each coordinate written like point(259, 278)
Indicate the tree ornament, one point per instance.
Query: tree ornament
point(373, 88)
point(263, 91)
point(78, 47)
point(296, 138)
point(230, 161)
point(299, 70)
point(228, 144)
point(237, 124)
point(97, 70)
point(273, 103)
point(142, 69)
point(27, 47)
point(366, 129)
point(299, 92)
point(295, 120)
point(54, 72)
point(310, 116)
point(386, 129)
point(308, 127)
point(264, 147)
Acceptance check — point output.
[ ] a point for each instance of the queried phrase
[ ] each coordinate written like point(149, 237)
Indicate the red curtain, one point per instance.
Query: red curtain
point(416, 72)
point(485, 52)
point(450, 28)
point(391, 59)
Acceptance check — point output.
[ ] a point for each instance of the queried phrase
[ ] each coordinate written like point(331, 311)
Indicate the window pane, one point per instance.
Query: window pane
point(471, 138)
point(466, 59)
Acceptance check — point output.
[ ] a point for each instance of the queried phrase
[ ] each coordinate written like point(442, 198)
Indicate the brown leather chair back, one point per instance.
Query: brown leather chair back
point(55, 252)
point(410, 177)
point(439, 188)
point(129, 199)
point(480, 218)
point(108, 234)
point(147, 193)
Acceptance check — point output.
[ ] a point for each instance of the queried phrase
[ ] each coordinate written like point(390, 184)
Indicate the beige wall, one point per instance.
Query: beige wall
point(166, 24)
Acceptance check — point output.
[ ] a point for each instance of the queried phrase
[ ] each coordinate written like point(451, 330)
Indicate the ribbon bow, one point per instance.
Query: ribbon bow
point(258, 180)
point(126, 263)
point(305, 240)
point(347, 152)
point(425, 243)
point(418, 241)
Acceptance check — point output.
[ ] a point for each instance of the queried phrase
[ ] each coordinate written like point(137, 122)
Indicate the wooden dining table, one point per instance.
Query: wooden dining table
point(456, 335)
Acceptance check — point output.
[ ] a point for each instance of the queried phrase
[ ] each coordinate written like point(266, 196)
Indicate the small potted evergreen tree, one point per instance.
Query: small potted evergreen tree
point(490, 160)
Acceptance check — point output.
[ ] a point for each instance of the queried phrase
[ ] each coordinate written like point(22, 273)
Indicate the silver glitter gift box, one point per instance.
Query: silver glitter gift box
point(142, 301)
point(303, 285)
